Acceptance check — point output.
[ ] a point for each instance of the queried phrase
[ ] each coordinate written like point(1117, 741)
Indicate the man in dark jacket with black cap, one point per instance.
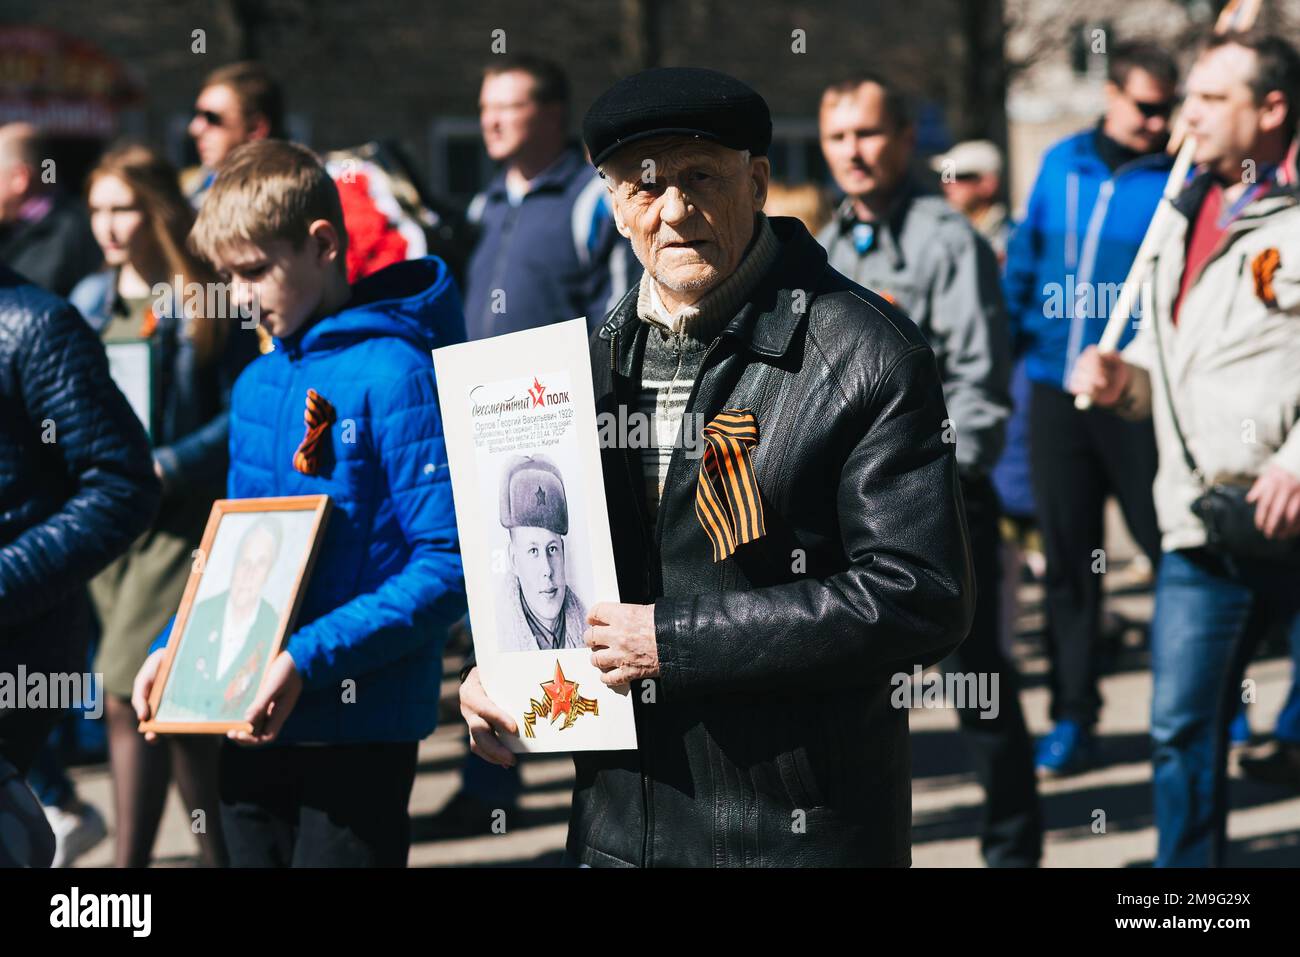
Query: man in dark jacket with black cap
point(775, 585)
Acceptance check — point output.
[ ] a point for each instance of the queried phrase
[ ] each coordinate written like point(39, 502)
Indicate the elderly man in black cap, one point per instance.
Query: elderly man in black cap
point(774, 584)
point(539, 609)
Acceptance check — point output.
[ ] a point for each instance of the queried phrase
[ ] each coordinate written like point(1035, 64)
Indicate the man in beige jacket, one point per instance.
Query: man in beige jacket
point(1221, 312)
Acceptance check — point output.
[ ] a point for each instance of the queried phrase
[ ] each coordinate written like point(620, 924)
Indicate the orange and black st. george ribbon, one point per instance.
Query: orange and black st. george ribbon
point(1263, 268)
point(727, 500)
point(318, 416)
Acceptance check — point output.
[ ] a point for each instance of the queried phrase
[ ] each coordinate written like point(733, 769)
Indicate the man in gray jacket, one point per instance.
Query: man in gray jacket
point(922, 255)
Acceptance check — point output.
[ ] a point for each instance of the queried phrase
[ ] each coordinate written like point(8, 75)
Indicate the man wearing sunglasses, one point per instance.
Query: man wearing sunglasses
point(238, 104)
point(1066, 262)
point(242, 103)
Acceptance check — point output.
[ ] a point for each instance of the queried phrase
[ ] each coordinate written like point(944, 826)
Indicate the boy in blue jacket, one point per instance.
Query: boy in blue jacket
point(357, 685)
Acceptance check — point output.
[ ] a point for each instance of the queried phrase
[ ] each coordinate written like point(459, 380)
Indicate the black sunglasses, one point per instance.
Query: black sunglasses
point(1152, 110)
point(212, 119)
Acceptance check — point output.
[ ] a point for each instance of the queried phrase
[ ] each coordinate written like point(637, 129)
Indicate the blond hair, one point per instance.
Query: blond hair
point(265, 191)
point(168, 217)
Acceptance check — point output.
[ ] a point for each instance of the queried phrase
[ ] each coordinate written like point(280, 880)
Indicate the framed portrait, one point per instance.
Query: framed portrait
point(523, 446)
point(239, 607)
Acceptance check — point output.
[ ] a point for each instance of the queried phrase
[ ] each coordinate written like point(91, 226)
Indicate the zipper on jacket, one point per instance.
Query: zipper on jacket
point(1083, 274)
point(499, 264)
point(655, 580)
point(627, 462)
point(1071, 220)
point(655, 546)
point(642, 746)
point(1236, 284)
point(672, 459)
point(292, 358)
point(1163, 359)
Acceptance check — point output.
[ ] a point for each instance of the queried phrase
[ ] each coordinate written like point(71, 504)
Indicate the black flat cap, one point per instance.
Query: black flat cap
point(682, 100)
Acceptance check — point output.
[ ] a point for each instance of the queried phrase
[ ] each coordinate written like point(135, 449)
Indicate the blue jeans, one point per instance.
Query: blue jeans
point(1288, 720)
point(1210, 613)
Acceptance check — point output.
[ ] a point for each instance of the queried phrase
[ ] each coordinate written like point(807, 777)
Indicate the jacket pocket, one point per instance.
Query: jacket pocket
point(801, 786)
point(807, 763)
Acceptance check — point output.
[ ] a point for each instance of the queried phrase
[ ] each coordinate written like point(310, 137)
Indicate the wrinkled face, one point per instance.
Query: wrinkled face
point(1137, 116)
point(509, 116)
point(866, 150)
point(1221, 111)
point(282, 286)
point(218, 125)
point(252, 567)
point(117, 222)
point(970, 192)
point(537, 557)
point(688, 208)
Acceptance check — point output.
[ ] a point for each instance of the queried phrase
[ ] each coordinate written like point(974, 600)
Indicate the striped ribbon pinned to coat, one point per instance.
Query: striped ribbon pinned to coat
point(727, 500)
point(318, 416)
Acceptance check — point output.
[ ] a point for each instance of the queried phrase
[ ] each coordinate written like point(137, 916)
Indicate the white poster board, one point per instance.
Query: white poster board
point(130, 364)
point(520, 423)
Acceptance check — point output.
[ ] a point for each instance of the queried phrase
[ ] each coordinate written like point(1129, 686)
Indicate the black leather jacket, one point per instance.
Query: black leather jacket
point(769, 738)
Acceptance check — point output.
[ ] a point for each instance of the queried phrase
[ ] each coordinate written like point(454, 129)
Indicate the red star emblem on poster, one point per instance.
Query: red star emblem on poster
point(561, 693)
point(559, 697)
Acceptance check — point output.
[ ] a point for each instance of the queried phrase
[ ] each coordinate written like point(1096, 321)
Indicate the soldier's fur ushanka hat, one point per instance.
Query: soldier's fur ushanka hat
point(532, 494)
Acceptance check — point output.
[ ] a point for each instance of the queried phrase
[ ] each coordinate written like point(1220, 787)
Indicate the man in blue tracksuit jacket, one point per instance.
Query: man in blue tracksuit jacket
point(1066, 262)
point(548, 249)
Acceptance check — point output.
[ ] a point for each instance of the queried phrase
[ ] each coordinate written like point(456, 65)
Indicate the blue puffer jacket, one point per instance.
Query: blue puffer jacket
point(388, 579)
point(76, 482)
point(1070, 256)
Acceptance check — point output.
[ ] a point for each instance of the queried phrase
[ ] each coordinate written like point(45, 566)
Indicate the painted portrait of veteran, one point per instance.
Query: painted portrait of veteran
point(537, 610)
point(229, 638)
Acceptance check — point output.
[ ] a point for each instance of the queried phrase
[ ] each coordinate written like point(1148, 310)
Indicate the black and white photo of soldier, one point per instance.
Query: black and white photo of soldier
point(537, 609)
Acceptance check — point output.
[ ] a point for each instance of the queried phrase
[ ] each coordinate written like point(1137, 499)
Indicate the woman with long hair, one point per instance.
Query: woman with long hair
point(177, 365)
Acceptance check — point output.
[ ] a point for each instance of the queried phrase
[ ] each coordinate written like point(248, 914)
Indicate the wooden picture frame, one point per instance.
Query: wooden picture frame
point(205, 679)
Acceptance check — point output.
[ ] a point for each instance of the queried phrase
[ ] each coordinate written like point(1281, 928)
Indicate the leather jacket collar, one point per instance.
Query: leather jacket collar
point(766, 323)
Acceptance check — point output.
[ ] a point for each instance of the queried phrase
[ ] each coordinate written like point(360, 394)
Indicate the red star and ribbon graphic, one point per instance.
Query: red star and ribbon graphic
point(560, 698)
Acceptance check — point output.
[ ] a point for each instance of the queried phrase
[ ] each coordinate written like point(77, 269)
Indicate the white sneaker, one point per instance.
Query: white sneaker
point(77, 828)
